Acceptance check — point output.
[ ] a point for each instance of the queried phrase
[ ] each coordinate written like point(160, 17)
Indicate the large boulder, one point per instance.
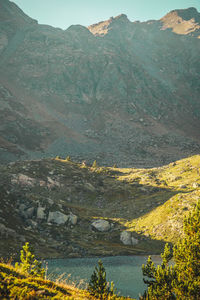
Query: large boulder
point(134, 241)
point(41, 213)
point(57, 217)
point(29, 212)
point(195, 185)
point(127, 239)
point(73, 219)
point(101, 225)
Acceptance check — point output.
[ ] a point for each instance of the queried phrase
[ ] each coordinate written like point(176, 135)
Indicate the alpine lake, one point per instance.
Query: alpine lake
point(124, 271)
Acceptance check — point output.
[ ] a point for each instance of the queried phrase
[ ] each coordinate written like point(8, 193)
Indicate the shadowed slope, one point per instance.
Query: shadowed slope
point(127, 94)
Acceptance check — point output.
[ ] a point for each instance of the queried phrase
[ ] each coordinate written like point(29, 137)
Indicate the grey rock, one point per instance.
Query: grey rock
point(183, 186)
point(50, 201)
point(101, 225)
point(195, 185)
point(134, 241)
point(29, 212)
point(125, 238)
point(33, 224)
point(57, 217)
point(41, 213)
point(73, 219)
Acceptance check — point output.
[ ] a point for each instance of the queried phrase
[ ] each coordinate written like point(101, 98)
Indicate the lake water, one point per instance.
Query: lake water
point(124, 271)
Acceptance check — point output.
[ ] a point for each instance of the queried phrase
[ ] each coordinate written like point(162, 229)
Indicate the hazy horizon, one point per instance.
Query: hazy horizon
point(63, 13)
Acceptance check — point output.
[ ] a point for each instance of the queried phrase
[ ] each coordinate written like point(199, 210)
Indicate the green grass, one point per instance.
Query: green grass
point(17, 285)
point(165, 221)
point(162, 195)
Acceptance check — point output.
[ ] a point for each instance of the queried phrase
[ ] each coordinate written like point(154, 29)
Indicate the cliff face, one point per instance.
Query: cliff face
point(118, 92)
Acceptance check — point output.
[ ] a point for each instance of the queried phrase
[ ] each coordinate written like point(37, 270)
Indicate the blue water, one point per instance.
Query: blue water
point(124, 271)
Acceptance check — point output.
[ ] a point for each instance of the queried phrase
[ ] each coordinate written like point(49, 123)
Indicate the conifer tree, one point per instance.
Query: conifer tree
point(187, 258)
point(98, 285)
point(94, 165)
point(182, 280)
point(160, 277)
point(28, 263)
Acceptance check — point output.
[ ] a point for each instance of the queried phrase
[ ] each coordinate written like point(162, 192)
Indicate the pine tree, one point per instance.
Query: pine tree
point(187, 258)
point(98, 285)
point(160, 283)
point(28, 263)
point(181, 281)
point(94, 165)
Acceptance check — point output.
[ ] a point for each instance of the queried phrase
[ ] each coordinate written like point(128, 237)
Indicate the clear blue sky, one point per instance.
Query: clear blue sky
point(63, 13)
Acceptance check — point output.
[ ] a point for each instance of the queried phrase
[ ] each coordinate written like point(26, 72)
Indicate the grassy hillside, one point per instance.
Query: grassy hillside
point(183, 181)
point(17, 285)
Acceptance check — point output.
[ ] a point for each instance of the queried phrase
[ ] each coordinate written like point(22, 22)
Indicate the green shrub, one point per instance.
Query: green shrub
point(29, 264)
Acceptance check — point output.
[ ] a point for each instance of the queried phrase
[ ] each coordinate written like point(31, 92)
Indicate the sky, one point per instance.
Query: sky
point(63, 13)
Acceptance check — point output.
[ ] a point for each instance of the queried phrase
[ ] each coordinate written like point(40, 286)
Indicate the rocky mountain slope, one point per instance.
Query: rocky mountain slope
point(67, 209)
point(119, 91)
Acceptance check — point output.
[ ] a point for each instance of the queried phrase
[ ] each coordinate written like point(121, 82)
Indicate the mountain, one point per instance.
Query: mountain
point(67, 209)
point(183, 21)
point(116, 92)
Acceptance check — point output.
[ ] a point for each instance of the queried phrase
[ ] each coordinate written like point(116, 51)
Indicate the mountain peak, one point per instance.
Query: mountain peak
point(102, 28)
point(188, 14)
point(182, 21)
point(121, 17)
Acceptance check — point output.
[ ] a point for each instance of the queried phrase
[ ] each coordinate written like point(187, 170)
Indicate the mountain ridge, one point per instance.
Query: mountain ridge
point(129, 97)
